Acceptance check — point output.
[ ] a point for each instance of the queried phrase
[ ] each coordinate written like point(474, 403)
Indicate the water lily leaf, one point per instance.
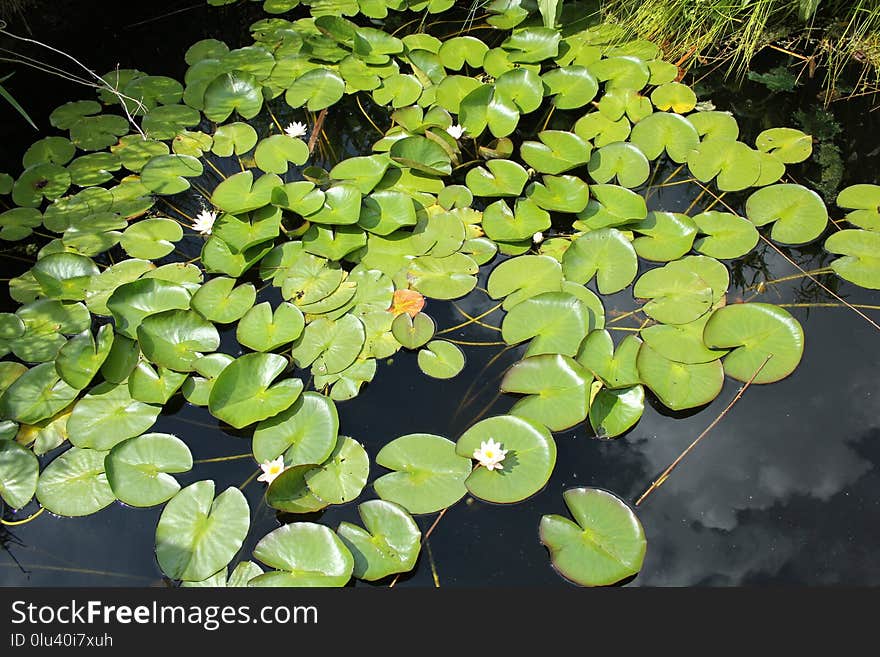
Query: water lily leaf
point(604, 253)
point(860, 263)
point(604, 545)
point(570, 86)
point(503, 178)
point(301, 197)
point(304, 554)
point(131, 302)
point(680, 385)
point(197, 389)
point(93, 169)
point(19, 471)
point(236, 91)
point(682, 343)
point(82, 356)
point(615, 367)
point(151, 238)
point(305, 433)
point(661, 132)
point(262, 330)
point(797, 213)
point(522, 278)
point(413, 331)
point(140, 469)
point(621, 160)
point(220, 301)
point(94, 133)
point(383, 212)
point(502, 224)
point(329, 346)
point(457, 51)
point(218, 257)
point(192, 143)
point(64, 275)
point(602, 130)
point(557, 391)
point(166, 121)
point(755, 331)
point(342, 206)
point(122, 359)
point(243, 393)
point(558, 151)
point(342, 477)
point(197, 535)
point(316, 89)
point(674, 96)
point(389, 544)
point(40, 181)
point(398, 90)
point(427, 474)
point(449, 277)
point(863, 200)
point(167, 174)
point(75, 484)
point(556, 321)
point(239, 193)
point(363, 172)
point(715, 125)
point(289, 492)
point(612, 206)
point(614, 412)
point(665, 236)
point(310, 278)
point(622, 72)
point(54, 150)
point(453, 89)
point(559, 194)
point(785, 144)
point(736, 165)
point(46, 323)
point(441, 359)
point(531, 456)
point(532, 45)
point(683, 290)
point(150, 386)
point(176, 338)
point(11, 329)
point(234, 138)
point(421, 154)
point(273, 153)
point(107, 415)
point(18, 223)
point(726, 235)
point(187, 275)
point(243, 233)
point(36, 395)
point(134, 151)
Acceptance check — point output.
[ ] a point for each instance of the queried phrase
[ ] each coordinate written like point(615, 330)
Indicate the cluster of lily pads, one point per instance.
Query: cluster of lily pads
point(116, 318)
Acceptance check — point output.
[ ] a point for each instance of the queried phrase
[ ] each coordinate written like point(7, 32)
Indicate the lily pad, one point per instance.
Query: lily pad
point(197, 535)
point(614, 412)
point(555, 321)
point(220, 301)
point(131, 302)
point(19, 471)
point(303, 554)
point(107, 415)
point(151, 238)
point(785, 144)
point(342, 477)
point(274, 153)
point(36, 395)
point(664, 236)
point(557, 390)
point(167, 174)
point(502, 224)
point(289, 493)
point(570, 86)
point(329, 346)
point(863, 200)
point(525, 277)
point(682, 343)
point(441, 359)
point(140, 469)
point(860, 263)
point(64, 276)
point(153, 385)
point(725, 235)
point(559, 193)
point(448, 277)
point(557, 152)
point(428, 475)
point(674, 96)
point(605, 254)
point(176, 338)
point(389, 542)
point(79, 360)
point(661, 132)
point(615, 367)
point(736, 166)
point(75, 483)
point(236, 91)
point(680, 385)
point(604, 545)
point(316, 89)
point(797, 213)
point(531, 456)
point(261, 329)
point(503, 178)
point(305, 433)
point(413, 331)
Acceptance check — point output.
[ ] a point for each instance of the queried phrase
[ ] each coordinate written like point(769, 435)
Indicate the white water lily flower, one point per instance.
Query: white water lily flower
point(490, 455)
point(296, 129)
point(271, 469)
point(204, 222)
point(455, 131)
point(538, 237)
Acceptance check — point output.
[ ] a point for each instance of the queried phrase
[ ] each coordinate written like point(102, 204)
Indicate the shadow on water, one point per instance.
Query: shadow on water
point(784, 491)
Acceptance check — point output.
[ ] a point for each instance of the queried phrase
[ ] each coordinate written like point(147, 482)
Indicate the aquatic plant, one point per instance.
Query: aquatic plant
point(324, 273)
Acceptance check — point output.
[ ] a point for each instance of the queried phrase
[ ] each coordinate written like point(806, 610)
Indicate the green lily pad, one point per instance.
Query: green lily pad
point(176, 338)
point(715, 125)
point(682, 343)
point(363, 172)
point(329, 346)
point(557, 390)
point(75, 484)
point(863, 200)
point(441, 359)
point(614, 412)
point(167, 174)
point(725, 235)
point(503, 178)
point(615, 367)
point(261, 329)
point(555, 321)
point(531, 456)
point(36, 395)
point(243, 393)
point(40, 181)
point(621, 160)
point(754, 332)
point(398, 90)
point(389, 542)
point(19, 472)
point(605, 254)
point(93, 169)
point(82, 356)
point(64, 275)
point(457, 51)
point(220, 301)
point(680, 385)
point(167, 121)
point(785, 144)
point(303, 554)
point(316, 89)
point(235, 91)
point(559, 194)
point(54, 150)
point(502, 224)
point(682, 290)
point(131, 302)
point(428, 474)
point(797, 213)
point(342, 206)
point(557, 152)
point(525, 277)
point(122, 359)
point(151, 238)
point(305, 433)
point(18, 223)
point(621, 72)
point(664, 236)
point(153, 385)
point(384, 212)
point(140, 469)
point(197, 535)
point(860, 263)
point(274, 153)
point(107, 415)
point(674, 96)
point(342, 477)
point(289, 493)
point(449, 277)
point(601, 130)
point(570, 86)
point(239, 193)
point(612, 206)
point(736, 166)
point(134, 151)
point(234, 138)
point(413, 332)
point(218, 257)
point(661, 132)
point(421, 154)
point(604, 545)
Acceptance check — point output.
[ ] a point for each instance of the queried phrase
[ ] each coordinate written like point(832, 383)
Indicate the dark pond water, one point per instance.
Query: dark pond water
point(786, 490)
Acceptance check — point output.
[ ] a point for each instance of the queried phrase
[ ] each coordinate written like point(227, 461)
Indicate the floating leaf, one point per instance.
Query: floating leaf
point(863, 200)
point(604, 545)
point(680, 385)
point(665, 236)
point(557, 152)
point(503, 178)
point(64, 275)
point(531, 456)
point(82, 356)
point(389, 544)
point(176, 338)
point(236, 91)
point(615, 367)
point(557, 389)
point(342, 206)
point(785, 144)
point(239, 193)
point(559, 194)
point(36, 395)
point(682, 343)
point(614, 412)
point(556, 322)
point(289, 493)
point(316, 89)
point(234, 138)
point(661, 132)
point(683, 290)
point(621, 160)
point(726, 235)
point(413, 331)
point(860, 263)
point(570, 86)
point(605, 254)
point(75, 484)
point(441, 359)
point(303, 554)
point(519, 279)
point(274, 153)
point(107, 415)
point(220, 301)
point(797, 213)
point(329, 346)
point(18, 223)
point(342, 477)
point(421, 154)
point(678, 97)
point(150, 386)
point(131, 302)
point(305, 433)
point(19, 471)
point(167, 174)
point(138, 469)
point(197, 535)
point(736, 165)
point(449, 277)
point(428, 474)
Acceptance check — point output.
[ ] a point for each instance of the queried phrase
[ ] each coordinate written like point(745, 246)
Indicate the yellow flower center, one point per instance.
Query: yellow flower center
point(490, 454)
